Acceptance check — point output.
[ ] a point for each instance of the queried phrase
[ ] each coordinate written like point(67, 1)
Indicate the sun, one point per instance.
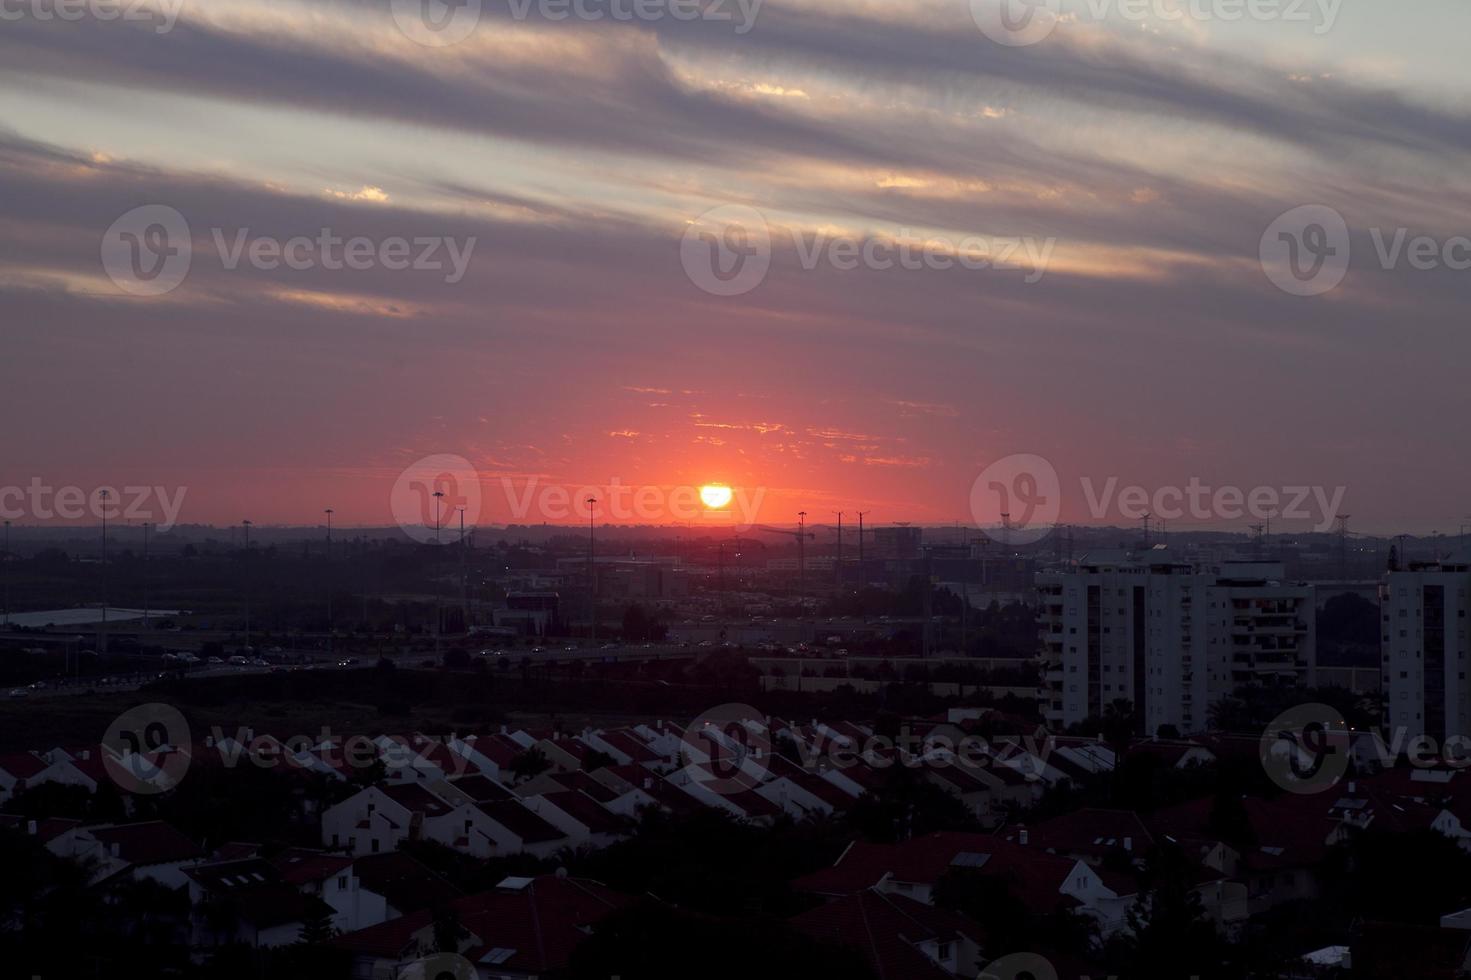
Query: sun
point(715, 495)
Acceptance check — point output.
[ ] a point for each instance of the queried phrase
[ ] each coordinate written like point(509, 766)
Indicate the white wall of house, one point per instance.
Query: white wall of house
point(387, 823)
point(353, 907)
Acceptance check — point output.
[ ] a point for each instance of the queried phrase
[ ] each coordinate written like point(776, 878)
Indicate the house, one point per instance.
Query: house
point(378, 818)
point(330, 877)
point(897, 936)
point(583, 820)
point(1105, 838)
point(524, 928)
point(491, 754)
point(421, 759)
point(495, 828)
point(566, 754)
point(476, 788)
point(43, 829)
point(636, 788)
point(18, 772)
point(248, 902)
point(624, 746)
point(151, 850)
point(405, 884)
point(1042, 883)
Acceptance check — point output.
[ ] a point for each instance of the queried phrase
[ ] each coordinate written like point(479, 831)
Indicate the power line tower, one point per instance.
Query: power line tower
point(1343, 546)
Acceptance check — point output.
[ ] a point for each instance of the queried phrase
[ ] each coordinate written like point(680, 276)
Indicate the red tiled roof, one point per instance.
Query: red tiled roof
point(22, 765)
point(885, 930)
point(580, 780)
point(630, 745)
point(586, 811)
point(47, 828)
point(481, 788)
point(299, 865)
point(151, 842)
point(405, 882)
point(1035, 876)
point(502, 751)
point(236, 851)
point(515, 817)
point(415, 798)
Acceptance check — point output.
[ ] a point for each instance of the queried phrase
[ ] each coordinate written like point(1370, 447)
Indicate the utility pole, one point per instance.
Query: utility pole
point(592, 569)
point(861, 515)
point(838, 567)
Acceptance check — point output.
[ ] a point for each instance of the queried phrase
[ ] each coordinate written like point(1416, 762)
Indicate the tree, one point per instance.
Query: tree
point(1169, 933)
point(317, 927)
point(530, 764)
point(448, 932)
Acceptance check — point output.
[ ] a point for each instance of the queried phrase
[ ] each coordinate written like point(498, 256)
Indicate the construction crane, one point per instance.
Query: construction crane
point(803, 536)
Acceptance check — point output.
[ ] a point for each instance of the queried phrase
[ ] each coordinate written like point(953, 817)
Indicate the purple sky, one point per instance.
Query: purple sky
point(1148, 155)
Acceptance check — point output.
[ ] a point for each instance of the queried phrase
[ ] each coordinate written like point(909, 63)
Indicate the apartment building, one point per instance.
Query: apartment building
point(1169, 636)
point(1423, 609)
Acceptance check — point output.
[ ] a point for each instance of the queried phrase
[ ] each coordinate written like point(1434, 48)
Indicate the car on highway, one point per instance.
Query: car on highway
point(20, 692)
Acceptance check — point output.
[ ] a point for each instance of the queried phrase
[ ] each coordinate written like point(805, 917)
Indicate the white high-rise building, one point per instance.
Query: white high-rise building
point(1169, 636)
point(1424, 612)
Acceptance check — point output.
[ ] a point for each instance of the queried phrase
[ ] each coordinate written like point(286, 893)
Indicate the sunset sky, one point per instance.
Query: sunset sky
point(575, 351)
